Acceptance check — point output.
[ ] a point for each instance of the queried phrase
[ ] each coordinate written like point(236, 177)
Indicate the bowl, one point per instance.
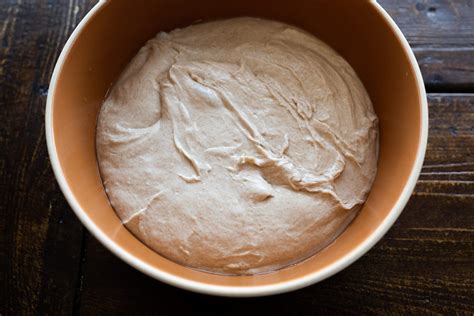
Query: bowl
point(111, 34)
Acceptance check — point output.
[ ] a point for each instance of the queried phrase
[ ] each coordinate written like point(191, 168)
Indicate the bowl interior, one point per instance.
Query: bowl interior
point(111, 37)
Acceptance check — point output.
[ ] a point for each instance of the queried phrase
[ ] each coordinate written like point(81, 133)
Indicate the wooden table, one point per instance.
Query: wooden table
point(49, 264)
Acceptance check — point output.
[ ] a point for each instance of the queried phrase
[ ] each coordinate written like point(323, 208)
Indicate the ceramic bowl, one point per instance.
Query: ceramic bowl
point(360, 30)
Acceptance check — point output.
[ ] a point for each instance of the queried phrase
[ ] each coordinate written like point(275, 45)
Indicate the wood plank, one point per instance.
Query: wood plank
point(423, 265)
point(434, 23)
point(447, 69)
point(40, 238)
point(440, 33)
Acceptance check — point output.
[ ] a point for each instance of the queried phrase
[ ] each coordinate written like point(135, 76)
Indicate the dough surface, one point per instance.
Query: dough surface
point(238, 146)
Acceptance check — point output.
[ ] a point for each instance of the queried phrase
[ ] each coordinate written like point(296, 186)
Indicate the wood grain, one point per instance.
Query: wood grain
point(442, 37)
point(50, 265)
point(447, 69)
point(40, 238)
point(423, 265)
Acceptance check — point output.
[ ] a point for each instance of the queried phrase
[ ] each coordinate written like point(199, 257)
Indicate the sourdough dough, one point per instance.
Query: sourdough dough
point(238, 146)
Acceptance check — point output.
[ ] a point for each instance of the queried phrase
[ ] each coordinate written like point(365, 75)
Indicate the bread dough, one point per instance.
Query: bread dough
point(238, 146)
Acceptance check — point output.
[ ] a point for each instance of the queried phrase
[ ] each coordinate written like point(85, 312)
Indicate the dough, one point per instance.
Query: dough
point(238, 146)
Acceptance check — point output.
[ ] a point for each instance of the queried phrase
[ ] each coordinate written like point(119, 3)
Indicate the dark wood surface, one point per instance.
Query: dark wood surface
point(49, 264)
